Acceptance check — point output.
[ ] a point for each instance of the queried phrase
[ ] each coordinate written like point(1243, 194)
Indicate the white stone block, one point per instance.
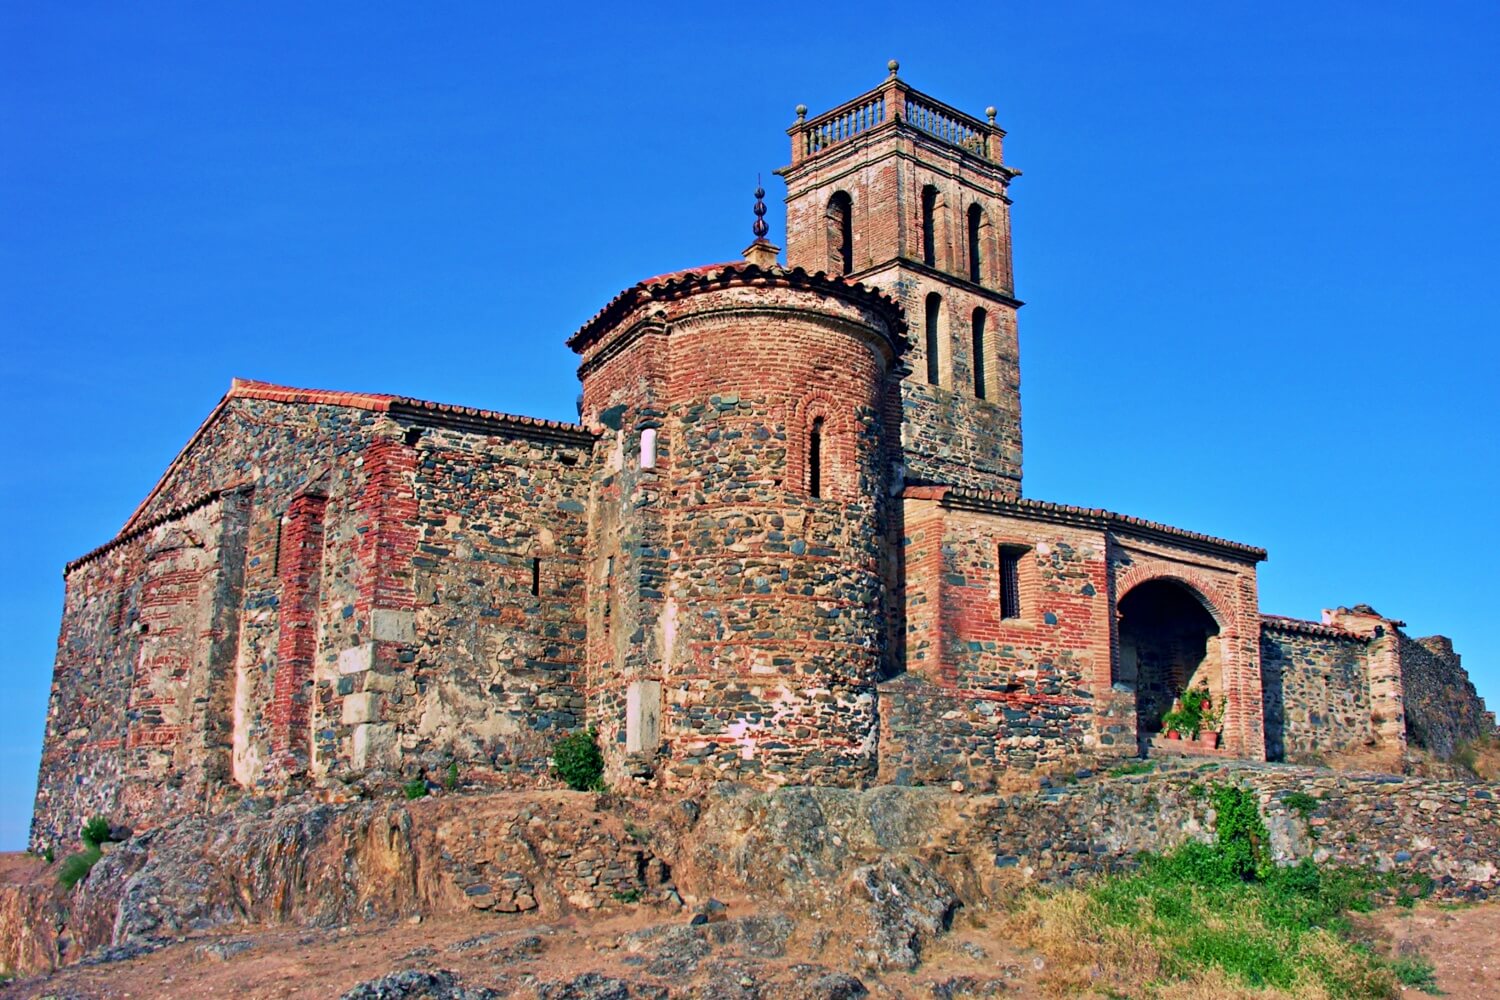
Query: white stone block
point(642, 716)
point(393, 626)
point(363, 706)
point(374, 746)
point(357, 659)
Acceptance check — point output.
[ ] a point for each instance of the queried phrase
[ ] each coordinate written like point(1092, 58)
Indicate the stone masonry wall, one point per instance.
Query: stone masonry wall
point(1316, 691)
point(1442, 707)
point(266, 635)
point(753, 606)
point(495, 674)
point(138, 721)
point(983, 693)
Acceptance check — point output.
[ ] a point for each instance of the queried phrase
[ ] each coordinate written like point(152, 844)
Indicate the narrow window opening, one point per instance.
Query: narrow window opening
point(840, 233)
point(815, 459)
point(609, 592)
point(976, 222)
point(929, 225)
point(979, 321)
point(536, 578)
point(1010, 581)
point(933, 319)
point(648, 448)
point(276, 550)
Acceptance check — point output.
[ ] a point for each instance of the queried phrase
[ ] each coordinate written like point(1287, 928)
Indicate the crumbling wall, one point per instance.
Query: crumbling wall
point(1316, 690)
point(1442, 707)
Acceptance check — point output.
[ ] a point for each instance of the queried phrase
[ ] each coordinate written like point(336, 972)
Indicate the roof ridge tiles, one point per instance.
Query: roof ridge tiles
point(674, 282)
point(994, 498)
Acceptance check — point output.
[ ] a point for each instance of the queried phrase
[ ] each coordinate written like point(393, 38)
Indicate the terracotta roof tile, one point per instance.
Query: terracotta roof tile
point(1282, 623)
point(986, 500)
point(691, 279)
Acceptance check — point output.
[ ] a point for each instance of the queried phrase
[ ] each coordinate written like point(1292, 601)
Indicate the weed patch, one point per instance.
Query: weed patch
point(1214, 919)
point(1301, 803)
point(577, 761)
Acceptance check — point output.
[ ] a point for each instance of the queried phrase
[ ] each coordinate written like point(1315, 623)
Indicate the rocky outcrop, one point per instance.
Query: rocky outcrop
point(865, 880)
point(324, 864)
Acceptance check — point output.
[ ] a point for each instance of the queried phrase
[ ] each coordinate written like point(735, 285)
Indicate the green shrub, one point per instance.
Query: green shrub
point(1300, 802)
point(577, 761)
point(76, 866)
point(450, 779)
point(1240, 835)
point(416, 788)
point(48, 855)
point(95, 832)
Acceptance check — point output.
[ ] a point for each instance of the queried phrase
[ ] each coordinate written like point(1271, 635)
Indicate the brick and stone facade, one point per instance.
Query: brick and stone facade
point(785, 543)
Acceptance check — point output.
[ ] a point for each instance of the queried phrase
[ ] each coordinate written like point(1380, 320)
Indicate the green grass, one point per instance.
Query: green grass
point(1225, 909)
point(76, 866)
point(1301, 803)
point(1134, 767)
point(1416, 971)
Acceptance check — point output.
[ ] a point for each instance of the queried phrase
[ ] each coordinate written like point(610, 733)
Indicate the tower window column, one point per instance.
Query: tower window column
point(934, 340)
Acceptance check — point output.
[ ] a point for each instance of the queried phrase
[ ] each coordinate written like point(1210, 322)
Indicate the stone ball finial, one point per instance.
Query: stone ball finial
point(990, 113)
point(801, 112)
point(893, 65)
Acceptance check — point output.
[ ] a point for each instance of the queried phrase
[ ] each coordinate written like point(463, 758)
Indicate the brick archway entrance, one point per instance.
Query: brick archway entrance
point(1169, 643)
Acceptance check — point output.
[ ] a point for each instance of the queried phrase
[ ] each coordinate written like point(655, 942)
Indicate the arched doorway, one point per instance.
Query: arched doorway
point(1168, 644)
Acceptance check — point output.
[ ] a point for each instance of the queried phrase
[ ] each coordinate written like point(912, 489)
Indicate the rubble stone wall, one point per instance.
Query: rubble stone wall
point(489, 671)
point(748, 606)
point(1316, 691)
point(1442, 707)
point(138, 724)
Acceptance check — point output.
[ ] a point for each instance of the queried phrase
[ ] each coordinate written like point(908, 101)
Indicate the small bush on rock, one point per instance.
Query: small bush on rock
point(95, 832)
point(416, 788)
point(577, 761)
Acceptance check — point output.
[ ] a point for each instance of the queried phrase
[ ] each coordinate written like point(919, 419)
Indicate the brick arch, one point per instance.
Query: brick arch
point(840, 457)
point(1208, 593)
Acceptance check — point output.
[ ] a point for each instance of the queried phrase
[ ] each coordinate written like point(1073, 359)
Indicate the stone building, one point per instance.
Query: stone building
point(785, 542)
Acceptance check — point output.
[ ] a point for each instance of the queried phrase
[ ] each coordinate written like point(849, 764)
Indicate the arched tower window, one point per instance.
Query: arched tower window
point(815, 459)
point(978, 356)
point(840, 233)
point(934, 321)
point(976, 226)
point(929, 225)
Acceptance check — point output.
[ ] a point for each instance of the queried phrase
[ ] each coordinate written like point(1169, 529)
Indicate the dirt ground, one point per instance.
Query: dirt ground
point(284, 962)
point(1463, 943)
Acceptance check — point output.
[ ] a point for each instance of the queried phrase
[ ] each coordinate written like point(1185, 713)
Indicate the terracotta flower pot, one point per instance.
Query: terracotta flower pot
point(1210, 740)
point(1173, 734)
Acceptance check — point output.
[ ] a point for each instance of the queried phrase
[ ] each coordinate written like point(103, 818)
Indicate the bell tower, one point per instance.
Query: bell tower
point(897, 189)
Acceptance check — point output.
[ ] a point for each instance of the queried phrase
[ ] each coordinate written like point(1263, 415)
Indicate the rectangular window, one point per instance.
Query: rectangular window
point(536, 578)
point(1010, 582)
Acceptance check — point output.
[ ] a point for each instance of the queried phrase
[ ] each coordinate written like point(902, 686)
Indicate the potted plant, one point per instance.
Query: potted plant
point(1173, 723)
point(1212, 725)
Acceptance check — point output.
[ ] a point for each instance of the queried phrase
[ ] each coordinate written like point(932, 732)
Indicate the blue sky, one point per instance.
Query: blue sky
point(1258, 243)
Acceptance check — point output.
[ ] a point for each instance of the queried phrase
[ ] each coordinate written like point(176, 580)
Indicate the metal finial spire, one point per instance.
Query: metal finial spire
point(760, 228)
